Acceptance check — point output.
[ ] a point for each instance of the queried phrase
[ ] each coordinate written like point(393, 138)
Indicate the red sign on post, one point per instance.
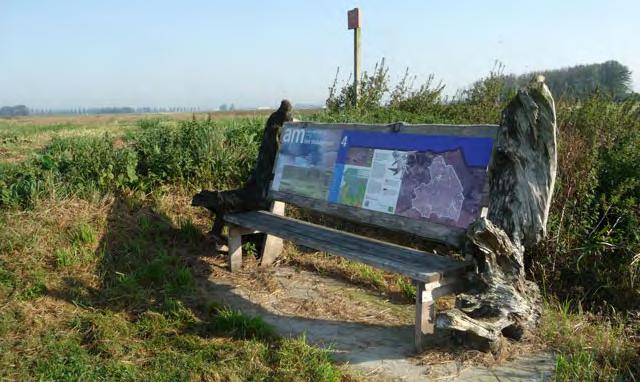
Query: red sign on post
point(353, 17)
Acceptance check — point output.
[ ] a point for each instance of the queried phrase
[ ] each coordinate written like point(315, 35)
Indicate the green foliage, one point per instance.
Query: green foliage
point(372, 87)
point(580, 81)
point(297, 361)
point(22, 185)
point(405, 98)
point(64, 359)
point(488, 92)
point(161, 272)
point(591, 252)
point(65, 257)
point(104, 334)
point(82, 234)
point(235, 324)
point(33, 290)
point(189, 232)
point(197, 151)
point(148, 123)
point(87, 165)
point(382, 102)
point(591, 348)
point(193, 154)
point(406, 287)
point(249, 248)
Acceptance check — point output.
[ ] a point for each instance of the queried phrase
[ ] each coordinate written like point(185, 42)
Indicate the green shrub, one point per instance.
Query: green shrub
point(87, 164)
point(21, 185)
point(198, 152)
point(148, 123)
point(591, 251)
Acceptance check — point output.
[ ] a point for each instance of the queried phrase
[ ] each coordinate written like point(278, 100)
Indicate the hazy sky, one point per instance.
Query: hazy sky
point(59, 53)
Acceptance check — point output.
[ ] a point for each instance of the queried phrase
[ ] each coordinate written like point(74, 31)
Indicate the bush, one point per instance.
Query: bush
point(22, 185)
point(193, 154)
point(197, 152)
point(86, 165)
point(592, 251)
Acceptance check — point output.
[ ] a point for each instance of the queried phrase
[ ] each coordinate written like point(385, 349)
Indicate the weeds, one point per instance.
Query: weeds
point(237, 325)
point(65, 258)
point(590, 347)
point(82, 234)
point(296, 360)
point(406, 287)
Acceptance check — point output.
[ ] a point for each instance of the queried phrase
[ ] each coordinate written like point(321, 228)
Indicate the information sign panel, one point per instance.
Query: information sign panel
point(439, 178)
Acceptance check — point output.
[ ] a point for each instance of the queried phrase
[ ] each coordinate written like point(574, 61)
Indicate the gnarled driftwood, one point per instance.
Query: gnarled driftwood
point(521, 178)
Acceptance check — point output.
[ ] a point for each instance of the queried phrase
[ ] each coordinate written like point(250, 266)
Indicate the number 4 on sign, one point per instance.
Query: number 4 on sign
point(344, 142)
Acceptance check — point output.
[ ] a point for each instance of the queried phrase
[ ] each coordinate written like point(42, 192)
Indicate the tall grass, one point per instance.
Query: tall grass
point(194, 154)
point(594, 224)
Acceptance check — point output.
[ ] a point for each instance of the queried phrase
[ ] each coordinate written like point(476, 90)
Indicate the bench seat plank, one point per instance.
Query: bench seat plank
point(418, 265)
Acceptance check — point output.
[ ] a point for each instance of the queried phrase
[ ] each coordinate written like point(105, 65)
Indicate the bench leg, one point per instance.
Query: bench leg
point(272, 245)
point(235, 248)
point(425, 314)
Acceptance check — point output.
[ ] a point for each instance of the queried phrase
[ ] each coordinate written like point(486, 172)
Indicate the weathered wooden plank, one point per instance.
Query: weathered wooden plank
point(437, 232)
point(408, 256)
point(272, 245)
point(415, 264)
point(400, 256)
point(486, 131)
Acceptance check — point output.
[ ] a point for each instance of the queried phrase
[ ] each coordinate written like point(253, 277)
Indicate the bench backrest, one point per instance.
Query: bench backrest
point(427, 180)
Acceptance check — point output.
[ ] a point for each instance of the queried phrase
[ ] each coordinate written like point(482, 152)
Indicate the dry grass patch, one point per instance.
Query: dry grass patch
point(127, 307)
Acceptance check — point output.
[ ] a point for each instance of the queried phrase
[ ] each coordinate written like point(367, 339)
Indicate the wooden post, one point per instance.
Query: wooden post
point(356, 65)
point(425, 314)
point(354, 23)
point(272, 245)
point(235, 248)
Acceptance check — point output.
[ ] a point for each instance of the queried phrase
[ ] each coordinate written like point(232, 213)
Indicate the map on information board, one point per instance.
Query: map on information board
point(434, 177)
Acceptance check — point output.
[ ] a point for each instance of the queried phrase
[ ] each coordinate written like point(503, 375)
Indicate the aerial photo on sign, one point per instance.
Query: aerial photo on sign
point(306, 161)
point(433, 177)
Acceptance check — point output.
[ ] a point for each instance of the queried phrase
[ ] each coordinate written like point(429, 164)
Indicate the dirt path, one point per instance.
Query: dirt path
point(363, 329)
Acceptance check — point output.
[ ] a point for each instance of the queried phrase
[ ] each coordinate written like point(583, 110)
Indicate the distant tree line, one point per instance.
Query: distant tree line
point(14, 111)
point(225, 107)
point(578, 82)
point(112, 110)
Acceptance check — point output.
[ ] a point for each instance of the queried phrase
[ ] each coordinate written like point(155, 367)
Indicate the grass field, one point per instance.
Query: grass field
point(102, 286)
point(101, 261)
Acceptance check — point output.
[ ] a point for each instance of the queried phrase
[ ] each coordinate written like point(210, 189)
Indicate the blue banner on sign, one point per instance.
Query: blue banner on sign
point(476, 150)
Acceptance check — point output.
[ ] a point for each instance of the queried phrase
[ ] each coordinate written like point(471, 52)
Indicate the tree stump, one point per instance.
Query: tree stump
point(502, 302)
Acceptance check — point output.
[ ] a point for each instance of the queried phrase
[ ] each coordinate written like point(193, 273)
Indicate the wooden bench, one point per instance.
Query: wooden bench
point(337, 170)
